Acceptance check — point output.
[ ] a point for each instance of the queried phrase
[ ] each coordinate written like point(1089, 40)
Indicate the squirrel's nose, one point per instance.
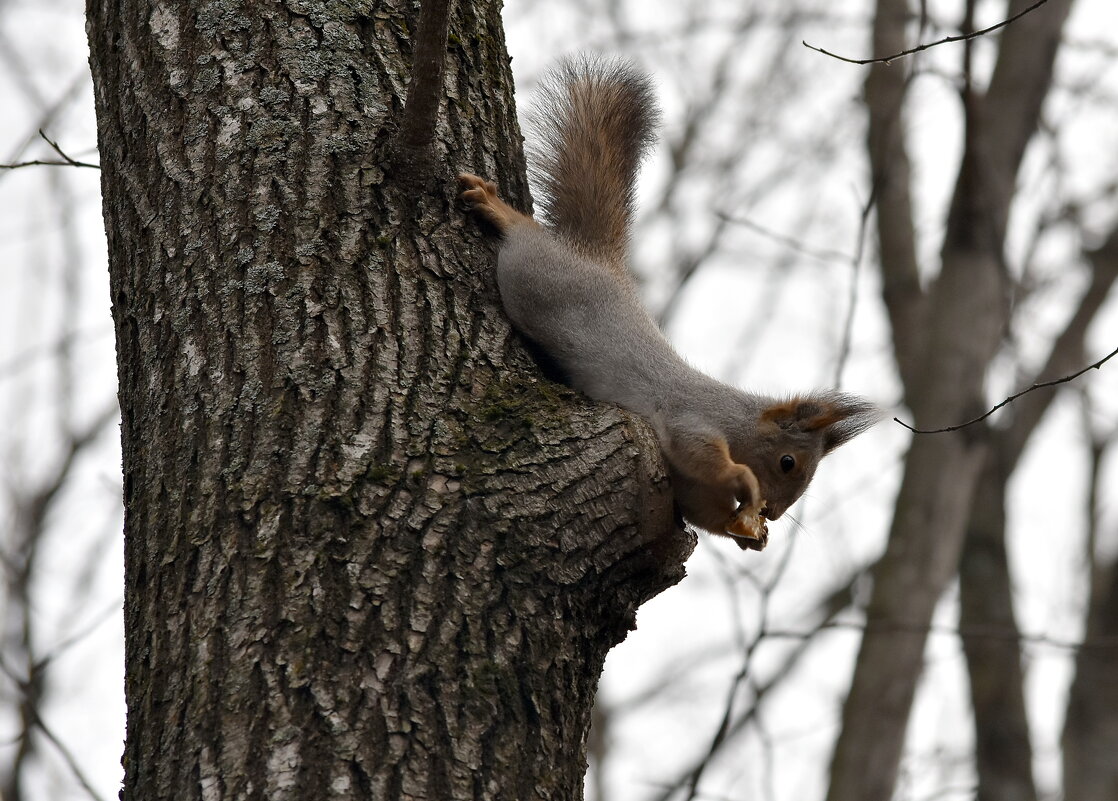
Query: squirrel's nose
point(770, 514)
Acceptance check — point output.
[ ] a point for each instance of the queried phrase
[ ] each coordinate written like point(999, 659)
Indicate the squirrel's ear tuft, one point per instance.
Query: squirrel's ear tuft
point(844, 417)
point(840, 417)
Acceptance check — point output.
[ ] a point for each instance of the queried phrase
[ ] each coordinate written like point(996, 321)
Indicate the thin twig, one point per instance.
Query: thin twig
point(59, 151)
point(989, 633)
point(746, 668)
point(36, 721)
point(40, 163)
point(112, 610)
point(67, 756)
point(836, 602)
point(946, 40)
point(66, 160)
point(1011, 398)
point(852, 306)
point(789, 242)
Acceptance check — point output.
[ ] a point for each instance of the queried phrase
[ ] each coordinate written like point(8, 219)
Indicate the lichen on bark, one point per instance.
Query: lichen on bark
point(369, 546)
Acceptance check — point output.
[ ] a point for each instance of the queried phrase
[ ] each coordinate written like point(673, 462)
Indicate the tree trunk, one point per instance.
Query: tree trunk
point(944, 337)
point(1003, 749)
point(370, 552)
point(1090, 738)
point(1003, 752)
point(1091, 729)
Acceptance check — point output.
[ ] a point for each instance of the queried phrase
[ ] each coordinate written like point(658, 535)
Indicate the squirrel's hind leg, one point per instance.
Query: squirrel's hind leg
point(484, 200)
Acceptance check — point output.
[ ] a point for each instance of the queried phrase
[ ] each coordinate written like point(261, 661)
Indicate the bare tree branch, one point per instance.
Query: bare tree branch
point(724, 727)
point(1011, 398)
point(110, 611)
point(906, 301)
point(32, 508)
point(67, 757)
point(29, 686)
point(41, 163)
point(789, 242)
point(1066, 352)
point(832, 605)
point(66, 162)
point(59, 151)
point(852, 303)
point(927, 45)
point(967, 311)
point(985, 632)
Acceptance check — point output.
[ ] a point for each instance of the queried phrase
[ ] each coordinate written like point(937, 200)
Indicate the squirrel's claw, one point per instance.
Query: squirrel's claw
point(482, 197)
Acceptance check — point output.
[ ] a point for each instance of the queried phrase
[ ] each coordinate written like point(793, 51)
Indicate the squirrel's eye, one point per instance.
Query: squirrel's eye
point(787, 462)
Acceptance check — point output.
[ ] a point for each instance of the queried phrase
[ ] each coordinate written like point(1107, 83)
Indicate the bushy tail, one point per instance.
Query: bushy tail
point(593, 124)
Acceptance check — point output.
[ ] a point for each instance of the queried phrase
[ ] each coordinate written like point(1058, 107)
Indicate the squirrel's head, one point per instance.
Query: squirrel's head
point(794, 435)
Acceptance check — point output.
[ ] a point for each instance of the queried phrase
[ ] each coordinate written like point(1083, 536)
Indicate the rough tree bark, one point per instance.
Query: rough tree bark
point(945, 336)
point(370, 552)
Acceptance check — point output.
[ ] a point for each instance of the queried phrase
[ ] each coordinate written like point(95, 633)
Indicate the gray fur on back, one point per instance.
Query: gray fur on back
point(589, 319)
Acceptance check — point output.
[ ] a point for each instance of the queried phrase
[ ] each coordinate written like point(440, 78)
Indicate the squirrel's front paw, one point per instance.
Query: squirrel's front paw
point(481, 195)
point(746, 525)
point(748, 529)
point(476, 191)
point(483, 199)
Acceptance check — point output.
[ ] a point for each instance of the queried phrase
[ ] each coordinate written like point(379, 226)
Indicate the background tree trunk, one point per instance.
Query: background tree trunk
point(1003, 750)
point(370, 553)
point(960, 320)
point(1090, 737)
point(1091, 729)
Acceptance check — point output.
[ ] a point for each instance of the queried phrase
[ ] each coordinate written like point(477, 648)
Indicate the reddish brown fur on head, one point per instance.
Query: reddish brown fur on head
point(794, 435)
point(839, 417)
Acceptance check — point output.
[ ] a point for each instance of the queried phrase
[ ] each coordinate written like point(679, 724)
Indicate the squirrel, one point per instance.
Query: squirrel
point(736, 459)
